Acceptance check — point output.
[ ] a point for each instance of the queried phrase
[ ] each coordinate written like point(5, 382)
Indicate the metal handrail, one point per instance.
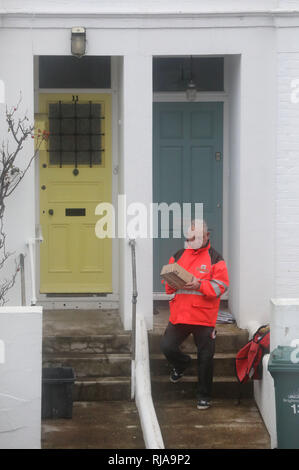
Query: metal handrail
point(132, 243)
point(22, 272)
point(31, 244)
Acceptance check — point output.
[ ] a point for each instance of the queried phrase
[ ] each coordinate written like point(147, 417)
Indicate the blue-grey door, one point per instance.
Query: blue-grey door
point(187, 167)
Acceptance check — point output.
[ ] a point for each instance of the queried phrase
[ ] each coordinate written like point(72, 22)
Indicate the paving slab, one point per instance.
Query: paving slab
point(115, 425)
point(95, 425)
point(225, 425)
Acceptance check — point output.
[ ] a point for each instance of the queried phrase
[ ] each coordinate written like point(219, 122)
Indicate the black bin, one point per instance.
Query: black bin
point(57, 392)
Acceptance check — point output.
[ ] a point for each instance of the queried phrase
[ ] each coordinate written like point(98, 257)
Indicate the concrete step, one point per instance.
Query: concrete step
point(230, 339)
point(223, 387)
point(92, 365)
point(105, 365)
point(119, 388)
point(224, 364)
point(93, 344)
point(102, 389)
point(95, 425)
point(226, 425)
point(80, 322)
point(99, 425)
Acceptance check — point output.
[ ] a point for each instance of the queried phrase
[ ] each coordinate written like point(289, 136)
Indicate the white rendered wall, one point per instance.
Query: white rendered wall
point(287, 166)
point(233, 260)
point(141, 6)
point(16, 70)
point(21, 377)
point(257, 210)
point(284, 322)
point(264, 394)
point(251, 139)
point(136, 180)
point(122, 257)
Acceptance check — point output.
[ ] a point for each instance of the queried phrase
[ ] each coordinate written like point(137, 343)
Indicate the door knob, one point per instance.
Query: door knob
point(51, 212)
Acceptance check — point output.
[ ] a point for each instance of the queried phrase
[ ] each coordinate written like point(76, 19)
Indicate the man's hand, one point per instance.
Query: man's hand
point(194, 284)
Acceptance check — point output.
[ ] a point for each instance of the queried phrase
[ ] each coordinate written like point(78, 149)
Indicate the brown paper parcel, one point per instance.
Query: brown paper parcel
point(176, 275)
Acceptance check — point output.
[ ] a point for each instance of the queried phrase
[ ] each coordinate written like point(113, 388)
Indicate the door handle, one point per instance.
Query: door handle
point(51, 212)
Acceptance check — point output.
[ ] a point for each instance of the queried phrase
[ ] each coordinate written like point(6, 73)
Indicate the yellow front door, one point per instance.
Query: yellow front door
point(75, 176)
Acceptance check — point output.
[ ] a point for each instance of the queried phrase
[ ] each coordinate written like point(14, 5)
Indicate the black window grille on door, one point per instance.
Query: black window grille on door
point(75, 133)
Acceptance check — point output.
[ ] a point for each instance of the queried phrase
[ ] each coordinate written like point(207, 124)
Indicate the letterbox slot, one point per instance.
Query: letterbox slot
point(75, 212)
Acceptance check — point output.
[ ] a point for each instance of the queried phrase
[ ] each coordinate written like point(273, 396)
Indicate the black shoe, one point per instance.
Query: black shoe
point(203, 404)
point(176, 376)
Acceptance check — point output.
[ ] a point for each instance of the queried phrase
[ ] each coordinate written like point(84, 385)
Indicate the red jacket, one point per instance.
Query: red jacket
point(199, 307)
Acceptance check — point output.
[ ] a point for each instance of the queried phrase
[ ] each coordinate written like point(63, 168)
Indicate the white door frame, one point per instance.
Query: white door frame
point(82, 300)
point(170, 97)
point(111, 300)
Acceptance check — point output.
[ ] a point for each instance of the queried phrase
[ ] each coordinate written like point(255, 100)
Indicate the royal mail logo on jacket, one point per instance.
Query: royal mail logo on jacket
point(202, 269)
point(199, 307)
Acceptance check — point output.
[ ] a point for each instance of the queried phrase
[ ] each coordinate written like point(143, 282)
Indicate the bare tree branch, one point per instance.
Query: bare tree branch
point(11, 175)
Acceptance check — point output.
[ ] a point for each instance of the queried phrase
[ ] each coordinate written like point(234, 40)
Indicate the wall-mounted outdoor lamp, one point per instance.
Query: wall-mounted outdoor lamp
point(191, 87)
point(78, 41)
point(191, 91)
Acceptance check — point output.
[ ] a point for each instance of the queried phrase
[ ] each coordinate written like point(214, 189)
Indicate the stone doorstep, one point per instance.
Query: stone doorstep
point(80, 322)
point(105, 365)
point(93, 344)
point(92, 365)
point(230, 339)
point(102, 389)
point(224, 364)
point(102, 360)
point(119, 388)
point(223, 387)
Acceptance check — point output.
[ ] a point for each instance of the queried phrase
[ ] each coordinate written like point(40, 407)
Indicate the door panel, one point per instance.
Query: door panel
point(203, 182)
point(60, 253)
point(75, 176)
point(91, 259)
point(186, 139)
